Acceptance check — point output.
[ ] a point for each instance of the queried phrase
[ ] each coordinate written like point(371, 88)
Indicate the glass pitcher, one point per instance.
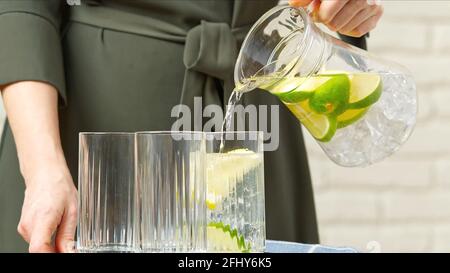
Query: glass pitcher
point(359, 107)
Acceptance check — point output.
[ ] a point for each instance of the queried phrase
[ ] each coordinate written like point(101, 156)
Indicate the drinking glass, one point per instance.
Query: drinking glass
point(107, 210)
point(235, 192)
point(171, 187)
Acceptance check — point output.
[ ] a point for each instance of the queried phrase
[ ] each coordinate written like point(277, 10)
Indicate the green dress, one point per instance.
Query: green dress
point(122, 65)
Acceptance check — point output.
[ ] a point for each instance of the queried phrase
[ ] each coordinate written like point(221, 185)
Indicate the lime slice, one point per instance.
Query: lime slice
point(332, 97)
point(365, 89)
point(350, 116)
point(305, 90)
point(321, 127)
point(221, 238)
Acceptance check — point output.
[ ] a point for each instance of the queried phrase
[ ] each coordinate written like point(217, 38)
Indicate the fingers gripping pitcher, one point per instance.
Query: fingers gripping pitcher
point(359, 108)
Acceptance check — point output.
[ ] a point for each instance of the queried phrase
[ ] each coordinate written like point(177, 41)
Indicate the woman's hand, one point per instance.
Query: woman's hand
point(349, 17)
point(50, 204)
point(49, 208)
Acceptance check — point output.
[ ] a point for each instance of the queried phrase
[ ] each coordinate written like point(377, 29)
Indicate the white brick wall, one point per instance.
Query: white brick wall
point(441, 235)
point(404, 202)
point(441, 42)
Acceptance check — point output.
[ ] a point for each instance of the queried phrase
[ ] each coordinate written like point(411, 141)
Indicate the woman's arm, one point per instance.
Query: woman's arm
point(50, 205)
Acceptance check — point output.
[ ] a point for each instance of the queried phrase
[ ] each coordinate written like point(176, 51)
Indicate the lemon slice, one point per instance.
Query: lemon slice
point(222, 238)
point(240, 151)
point(365, 89)
point(321, 127)
point(350, 116)
point(223, 167)
point(211, 202)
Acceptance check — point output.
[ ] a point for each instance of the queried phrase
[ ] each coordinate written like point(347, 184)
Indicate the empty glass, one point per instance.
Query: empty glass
point(171, 188)
point(107, 207)
point(235, 192)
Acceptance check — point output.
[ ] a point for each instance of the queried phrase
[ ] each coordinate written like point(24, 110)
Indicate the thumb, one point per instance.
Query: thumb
point(64, 240)
point(299, 3)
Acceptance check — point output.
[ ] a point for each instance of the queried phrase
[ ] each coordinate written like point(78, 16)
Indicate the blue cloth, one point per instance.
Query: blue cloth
point(290, 247)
